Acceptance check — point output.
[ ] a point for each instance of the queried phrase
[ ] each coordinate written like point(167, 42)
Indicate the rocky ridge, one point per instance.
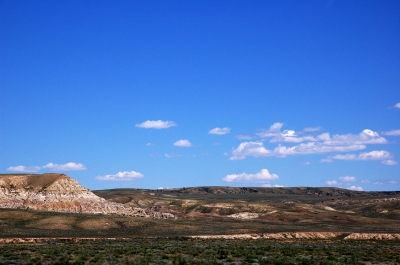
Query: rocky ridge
point(60, 193)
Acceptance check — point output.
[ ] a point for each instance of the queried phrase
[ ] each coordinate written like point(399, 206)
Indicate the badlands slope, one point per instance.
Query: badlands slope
point(60, 193)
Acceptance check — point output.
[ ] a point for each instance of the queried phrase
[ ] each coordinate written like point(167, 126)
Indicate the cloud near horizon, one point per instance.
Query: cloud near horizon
point(50, 166)
point(220, 131)
point(347, 178)
point(158, 124)
point(384, 156)
point(306, 143)
point(262, 176)
point(67, 166)
point(120, 176)
point(24, 168)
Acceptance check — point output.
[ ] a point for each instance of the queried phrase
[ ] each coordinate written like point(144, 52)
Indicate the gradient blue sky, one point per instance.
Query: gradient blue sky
point(149, 94)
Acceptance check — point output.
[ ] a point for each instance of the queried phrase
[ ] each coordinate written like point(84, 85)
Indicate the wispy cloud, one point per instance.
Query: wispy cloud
point(244, 137)
point(50, 166)
point(268, 185)
point(397, 105)
point(67, 166)
point(220, 131)
point(158, 124)
point(382, 155)
point(172, 155)
point(312, 129)
point(392, 133)
point(262, 176)
point(274, 130)
point(347, 178)
point(183, 143)
point(24, 168)
point(389, 162)
point(120, 176)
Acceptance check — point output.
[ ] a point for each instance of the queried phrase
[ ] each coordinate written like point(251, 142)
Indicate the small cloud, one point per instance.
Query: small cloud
point(24, 168)
point(392, 133)
point(356, 188)
point(389, 162)
point(347, 178)
point(365, 181)
point(262, 176)
point(172, 155)
point(331, 182)
point(126, 175)
point(312, 129)
point(326, 160)
point(67, 166)
point(267, 185)
point(220, 131)
point(274, 130)
point(307, 163)
point(183, 143)
point(150, 144)
point(397, 106)
point(159, 124)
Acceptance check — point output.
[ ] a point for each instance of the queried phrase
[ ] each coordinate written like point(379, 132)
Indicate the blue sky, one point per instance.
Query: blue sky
point(149, 94)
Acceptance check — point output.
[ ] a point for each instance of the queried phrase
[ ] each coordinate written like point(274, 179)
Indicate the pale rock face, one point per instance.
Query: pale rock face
point(60, 193)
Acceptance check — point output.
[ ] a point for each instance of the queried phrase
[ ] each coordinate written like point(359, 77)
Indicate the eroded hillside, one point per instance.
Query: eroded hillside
point(60, 193)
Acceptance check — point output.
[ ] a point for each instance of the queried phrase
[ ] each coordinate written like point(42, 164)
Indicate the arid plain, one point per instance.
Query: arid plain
point(40, 209)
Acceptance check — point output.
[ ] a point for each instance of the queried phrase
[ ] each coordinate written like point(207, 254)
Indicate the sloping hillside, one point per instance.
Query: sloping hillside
point(60, 193)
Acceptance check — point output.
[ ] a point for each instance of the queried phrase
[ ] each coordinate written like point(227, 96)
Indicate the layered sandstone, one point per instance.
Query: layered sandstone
point(60, 193)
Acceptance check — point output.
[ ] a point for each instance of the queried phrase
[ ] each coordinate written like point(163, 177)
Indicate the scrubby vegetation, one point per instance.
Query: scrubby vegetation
point(194, 251)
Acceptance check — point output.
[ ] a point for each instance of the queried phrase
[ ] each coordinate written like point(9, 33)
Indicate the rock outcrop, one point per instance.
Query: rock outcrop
point(60, 193)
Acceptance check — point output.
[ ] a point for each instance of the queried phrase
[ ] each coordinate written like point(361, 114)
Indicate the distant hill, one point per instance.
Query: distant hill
point(55, 204)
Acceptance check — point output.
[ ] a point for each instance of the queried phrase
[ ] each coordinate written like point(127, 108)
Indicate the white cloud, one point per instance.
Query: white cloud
point(389, 162)
point(126, 175)
point(150, 144)
point(331, 182)
point(382, 155)
point(24, 168)
point(357, 188)
point(262, 176)
point(220, 131)
point(307, 163)
point(365, 137)
point(183, 143)
point(67, 166)
point(267, 185)
point(347, 179)
point(392, 133)
point(257, 149)
point(397, 105)
point(159, 124)
point(274, 130)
